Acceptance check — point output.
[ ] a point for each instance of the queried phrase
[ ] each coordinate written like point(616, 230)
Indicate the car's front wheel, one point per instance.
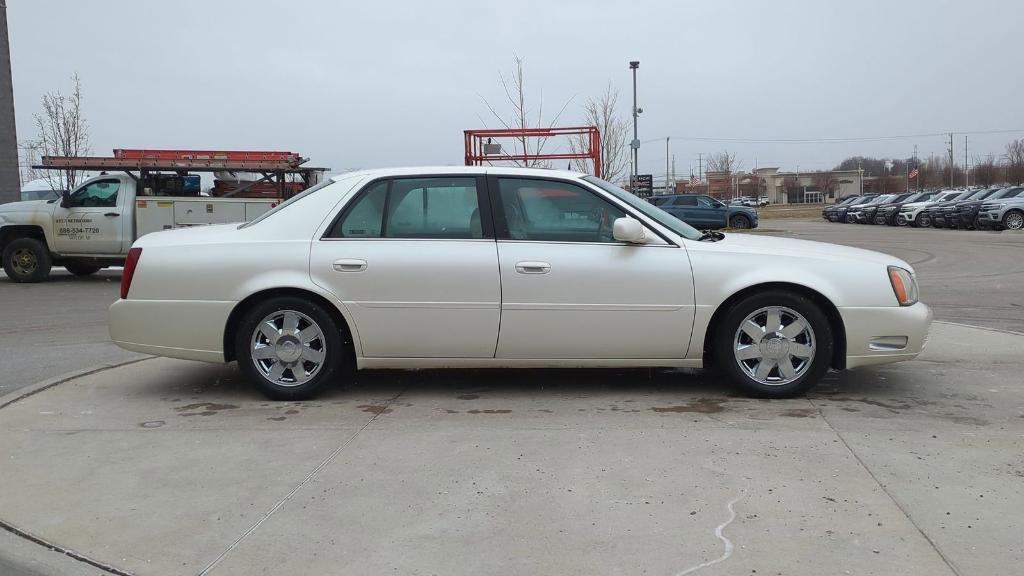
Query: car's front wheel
point(739, 221)
point(922, 220)
point(27, 260)
point(289, 347)
point(774, 344)
point(1013, 220)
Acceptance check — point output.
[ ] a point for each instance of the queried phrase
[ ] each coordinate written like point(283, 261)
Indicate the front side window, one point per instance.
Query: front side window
point(101, 193)
point(705, 202)
point(425, 208)
point(552, 211)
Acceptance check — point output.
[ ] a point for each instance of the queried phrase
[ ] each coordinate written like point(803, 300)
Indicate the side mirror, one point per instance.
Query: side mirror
point(65, 199)
point(629, 230)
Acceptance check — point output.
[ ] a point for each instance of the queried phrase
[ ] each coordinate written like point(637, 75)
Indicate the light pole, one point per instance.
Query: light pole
point(635, 144)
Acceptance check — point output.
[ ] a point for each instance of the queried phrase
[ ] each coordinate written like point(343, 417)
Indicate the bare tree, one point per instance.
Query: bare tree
point(600, 112)
point(985, 172)
point(522, 116)
point(62, 131)
point(1015, 161)
point(724, 162)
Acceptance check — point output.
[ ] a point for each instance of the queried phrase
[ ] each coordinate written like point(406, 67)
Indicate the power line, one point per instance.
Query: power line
point(830, 140)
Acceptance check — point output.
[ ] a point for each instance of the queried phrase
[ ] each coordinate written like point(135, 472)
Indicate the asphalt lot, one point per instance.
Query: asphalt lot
point(170, 467)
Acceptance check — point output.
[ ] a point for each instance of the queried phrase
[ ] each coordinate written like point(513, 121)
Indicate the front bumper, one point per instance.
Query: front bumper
point(885, 334)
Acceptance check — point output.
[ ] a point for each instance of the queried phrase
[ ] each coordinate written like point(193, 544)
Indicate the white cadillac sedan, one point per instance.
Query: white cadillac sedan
point(460, 267)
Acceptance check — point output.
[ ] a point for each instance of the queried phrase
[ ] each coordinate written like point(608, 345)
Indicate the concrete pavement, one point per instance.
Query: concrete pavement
point(170, 467)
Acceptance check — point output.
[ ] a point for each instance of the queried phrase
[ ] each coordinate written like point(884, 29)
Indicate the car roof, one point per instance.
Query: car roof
point(467, 170)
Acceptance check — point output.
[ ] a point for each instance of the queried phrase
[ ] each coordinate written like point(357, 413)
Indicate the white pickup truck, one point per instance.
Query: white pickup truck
point(93, 226)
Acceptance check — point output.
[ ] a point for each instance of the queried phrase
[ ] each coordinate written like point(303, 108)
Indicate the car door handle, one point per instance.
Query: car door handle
point(533, 267)
point(112, 214)
point(349, 265)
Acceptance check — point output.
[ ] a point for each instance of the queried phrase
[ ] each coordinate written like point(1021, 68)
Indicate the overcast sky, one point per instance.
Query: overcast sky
point(368, 84)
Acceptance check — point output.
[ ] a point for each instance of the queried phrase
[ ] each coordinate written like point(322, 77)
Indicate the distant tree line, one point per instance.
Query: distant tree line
point(934, 171)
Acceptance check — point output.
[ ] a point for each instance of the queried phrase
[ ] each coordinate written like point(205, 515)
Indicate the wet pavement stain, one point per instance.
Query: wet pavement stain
point(698, 406)
point(468, 396)
point(374, 409)
point(476, 411)
point(152, 424)
point(277, 418)
point(293, 411)
point(799, 413)
point(894, 407)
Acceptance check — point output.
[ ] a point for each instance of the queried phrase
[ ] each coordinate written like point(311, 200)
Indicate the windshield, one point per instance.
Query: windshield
point(289, 202)
point(650, 210)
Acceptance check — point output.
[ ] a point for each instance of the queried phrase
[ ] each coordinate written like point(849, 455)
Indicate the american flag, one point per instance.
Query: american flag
point(694, 181)
point(913, 173)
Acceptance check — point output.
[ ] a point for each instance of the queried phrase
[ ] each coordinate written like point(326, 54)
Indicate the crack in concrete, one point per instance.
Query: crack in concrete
point(949, 563)
point(309, 477)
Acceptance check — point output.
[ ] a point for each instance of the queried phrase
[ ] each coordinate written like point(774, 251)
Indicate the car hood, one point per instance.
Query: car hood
point(917, 204)
point(23, 206)
point(772, 245)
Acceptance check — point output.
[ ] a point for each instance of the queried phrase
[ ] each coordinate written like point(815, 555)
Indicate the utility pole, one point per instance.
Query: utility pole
point(967, 171)
point(666, 165)
point(700, 166)
point(918, 169)
point(951, 183)
point(10, 179)
point(633, 65)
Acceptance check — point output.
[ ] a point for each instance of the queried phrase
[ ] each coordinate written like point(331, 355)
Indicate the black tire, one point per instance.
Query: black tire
point(739, 221)
point(333, 346)
point(726, 333)
point(81, 268)
point(1013, 220)
point(27, 260)
point(922, 221)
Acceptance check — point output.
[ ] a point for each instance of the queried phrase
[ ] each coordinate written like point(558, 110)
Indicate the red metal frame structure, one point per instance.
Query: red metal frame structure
point(475, 140)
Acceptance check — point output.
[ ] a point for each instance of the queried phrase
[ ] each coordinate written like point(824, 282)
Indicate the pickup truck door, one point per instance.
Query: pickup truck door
point(94, 222)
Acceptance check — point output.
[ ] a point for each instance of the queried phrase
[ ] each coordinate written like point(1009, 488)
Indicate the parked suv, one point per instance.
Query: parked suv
point(841, 211)
point(1004, 213)
point(887, 213)
point(856, 214)
point(702, 211)
point(829, 212)
point(913, 214)
point(967, 212)
point(945, 215)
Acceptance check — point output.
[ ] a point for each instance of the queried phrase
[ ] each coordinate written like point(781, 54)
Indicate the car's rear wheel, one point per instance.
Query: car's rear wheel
point(289, 347)
point(81, 268)
point(739, 221)
point(1013, 220)
point(775, 344)
point(27, 260)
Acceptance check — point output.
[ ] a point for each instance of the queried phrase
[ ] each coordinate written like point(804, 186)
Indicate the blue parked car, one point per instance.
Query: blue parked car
point(703, 212)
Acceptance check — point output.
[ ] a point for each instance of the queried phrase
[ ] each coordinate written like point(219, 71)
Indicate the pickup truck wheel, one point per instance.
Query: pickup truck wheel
point(81, 269)
point(27, 260)
point(739, 221)
point(289, 347)
point(775, 344)
point(1013, 220)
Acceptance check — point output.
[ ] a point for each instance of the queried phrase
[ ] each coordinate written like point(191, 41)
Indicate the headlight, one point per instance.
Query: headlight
point(903, 285)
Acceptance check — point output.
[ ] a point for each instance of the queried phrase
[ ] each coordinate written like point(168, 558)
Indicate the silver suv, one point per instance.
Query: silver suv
point(1005, 213)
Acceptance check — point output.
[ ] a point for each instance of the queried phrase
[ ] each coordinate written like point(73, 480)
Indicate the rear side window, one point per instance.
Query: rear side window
point(423, 208)
point(685, 201)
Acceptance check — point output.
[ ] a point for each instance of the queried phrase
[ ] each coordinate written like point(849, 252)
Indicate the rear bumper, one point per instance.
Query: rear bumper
point(186, 329)
point(884, 335)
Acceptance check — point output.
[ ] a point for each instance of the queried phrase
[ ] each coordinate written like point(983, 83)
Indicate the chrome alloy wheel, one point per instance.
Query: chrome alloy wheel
point(24, 261)
point(774, 345)
point(288, 348)
point(1015, 221)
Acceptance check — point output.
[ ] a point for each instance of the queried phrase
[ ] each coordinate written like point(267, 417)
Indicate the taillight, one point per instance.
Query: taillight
point(129, 270)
